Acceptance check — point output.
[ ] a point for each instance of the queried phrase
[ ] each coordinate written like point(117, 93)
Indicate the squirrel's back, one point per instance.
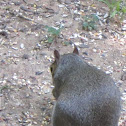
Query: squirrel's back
point(85, 96)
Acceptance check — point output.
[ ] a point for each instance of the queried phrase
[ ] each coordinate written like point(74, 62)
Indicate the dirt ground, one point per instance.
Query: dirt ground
point(25, 54)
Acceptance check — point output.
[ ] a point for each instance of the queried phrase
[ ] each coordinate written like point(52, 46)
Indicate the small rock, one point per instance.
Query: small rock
point(1, 95)
point(85, 53)
point(4, 33)
point(106, 15)
point(125, 90)
point(22, 46)
point(64, 15)
point(124, 26)
point(15, 76)
point(15, 48)
point(105, 37)
point(108, 20)
point(108, 72)
point(123, 77)
point(38, 73)
point(35, 123)
point(103, 55)
point(17, 3)
point(25, 56)
point(83, 46)
point(61, 5)
point(43, 54)
point(94, 50)
point(119, 82)
point(46, 89)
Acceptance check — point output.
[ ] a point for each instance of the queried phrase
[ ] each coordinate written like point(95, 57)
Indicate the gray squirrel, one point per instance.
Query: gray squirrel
point(85, 95)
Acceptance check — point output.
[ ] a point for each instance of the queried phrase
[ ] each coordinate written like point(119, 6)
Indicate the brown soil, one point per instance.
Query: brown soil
point(25, 54)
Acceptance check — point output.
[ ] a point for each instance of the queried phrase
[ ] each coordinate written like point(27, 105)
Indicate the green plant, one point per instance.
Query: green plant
point(66, 43)
point(89, 22)
point(3, 87)
point(53, 33)
point(115, 7)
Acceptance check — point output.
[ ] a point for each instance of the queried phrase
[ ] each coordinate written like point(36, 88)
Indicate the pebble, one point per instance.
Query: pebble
point(1, 95)
point(104, 36)
point(83, 46)
point(46, 89)
point(123, 76)
point(22, 46)
point(94, 50)
point(103, 55)
point(17, 3)
point(35, 123)
point(119, 82)
point(108, 72)
point(38, 73)
point(61, 5)
point(85, 53)
point(25, 56)
point(15, 76)
point(106, 15)
point(64, 15)
point(125, 90)
point(4, 81)
point(15, 48)
point(75, 35)
point(124, 26)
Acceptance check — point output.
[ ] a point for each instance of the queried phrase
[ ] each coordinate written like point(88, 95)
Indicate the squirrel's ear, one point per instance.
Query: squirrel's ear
point(76, 50)
point(56, 55)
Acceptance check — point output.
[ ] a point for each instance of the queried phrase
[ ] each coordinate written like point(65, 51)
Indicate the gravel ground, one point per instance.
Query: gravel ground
point(25, 54)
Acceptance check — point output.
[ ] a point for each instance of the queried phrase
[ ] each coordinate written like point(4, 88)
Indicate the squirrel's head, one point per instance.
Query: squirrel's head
point(57, 57)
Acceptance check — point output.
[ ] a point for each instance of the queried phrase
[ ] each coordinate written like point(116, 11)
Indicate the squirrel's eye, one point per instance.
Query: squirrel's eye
point(51, 69)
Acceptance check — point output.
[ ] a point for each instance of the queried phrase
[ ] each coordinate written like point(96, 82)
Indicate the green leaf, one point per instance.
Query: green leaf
point(90, 28)
point(4, 87)
point(85, 24)
point(95, 18)
point(113, 14)
point(53, 31)
point(105, 1)
point(115, 7)
point(118, 6)
point(66, 43)
point(92, 25)
point(124, 10)
point(50, 39)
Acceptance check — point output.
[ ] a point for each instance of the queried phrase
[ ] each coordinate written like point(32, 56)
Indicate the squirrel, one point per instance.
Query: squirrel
point(85, 95)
